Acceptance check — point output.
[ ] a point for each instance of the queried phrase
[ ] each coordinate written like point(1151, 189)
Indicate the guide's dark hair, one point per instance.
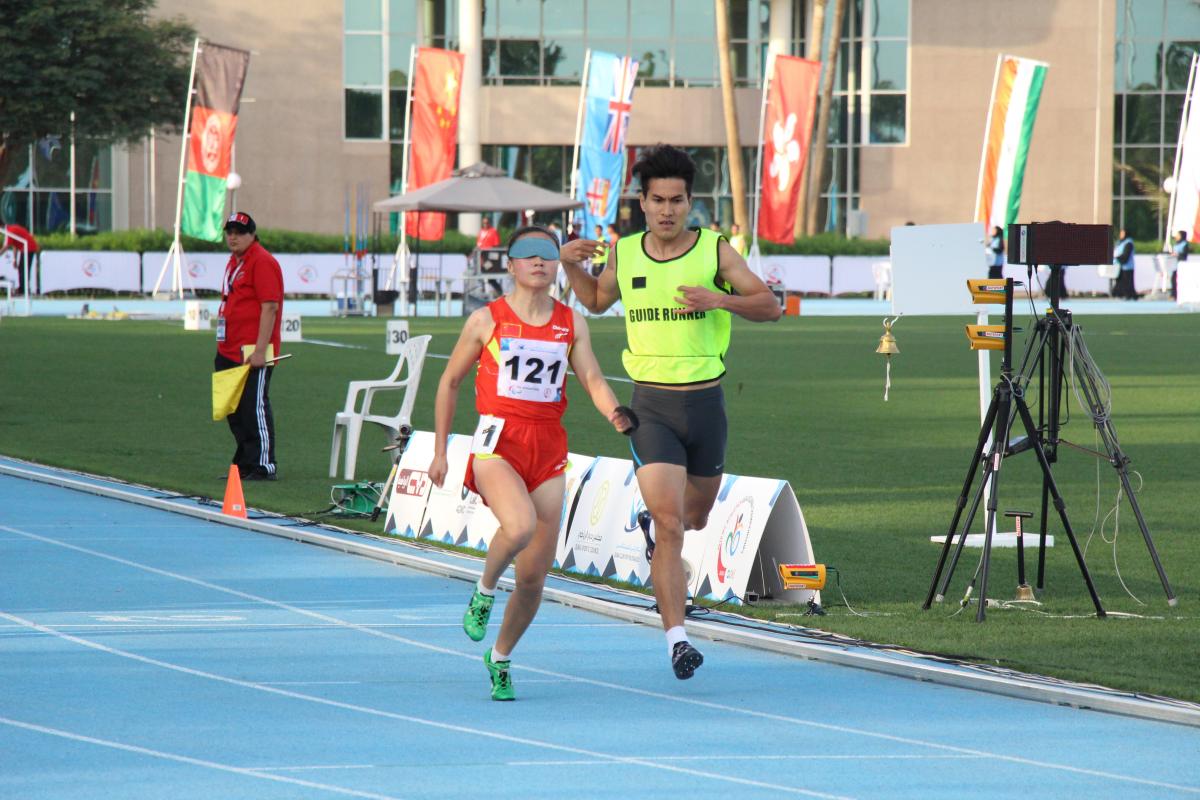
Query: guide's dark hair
point(528, 229)
point(664, 161)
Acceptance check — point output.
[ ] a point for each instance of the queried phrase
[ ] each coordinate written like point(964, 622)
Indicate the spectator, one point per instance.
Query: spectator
point(1123, 258)
point(996, 253)
point(738, 240)
point(488, 237)
point(11, 241)
point(1180, 249)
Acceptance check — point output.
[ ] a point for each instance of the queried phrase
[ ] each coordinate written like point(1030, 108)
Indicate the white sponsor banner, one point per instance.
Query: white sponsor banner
point(90, 269)
point(200, 271)
point(755, 523)
point(853, 274)
point(1187, 286)
point(797, 273)
point(311, 273)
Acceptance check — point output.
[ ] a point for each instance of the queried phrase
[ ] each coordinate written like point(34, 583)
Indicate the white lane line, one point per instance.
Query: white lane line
point(445, 726)
point(305, 768)
point(727, 757)
point(737, 710)
point(195, 762)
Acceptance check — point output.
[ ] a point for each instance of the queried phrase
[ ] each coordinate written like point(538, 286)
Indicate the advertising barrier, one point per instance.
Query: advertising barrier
point(89, 269)
point(755, 524)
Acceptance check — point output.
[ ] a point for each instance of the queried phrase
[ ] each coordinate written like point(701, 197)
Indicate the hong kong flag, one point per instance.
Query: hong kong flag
point(220, 75)
point(787, 132)
point(434, 131)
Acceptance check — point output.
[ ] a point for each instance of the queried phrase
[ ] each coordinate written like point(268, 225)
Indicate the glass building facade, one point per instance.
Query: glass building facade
point(37, 187)
point(531, 42)
point(1155, 43)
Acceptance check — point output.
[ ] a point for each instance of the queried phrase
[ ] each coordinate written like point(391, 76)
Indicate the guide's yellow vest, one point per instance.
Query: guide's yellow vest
point(666, 345)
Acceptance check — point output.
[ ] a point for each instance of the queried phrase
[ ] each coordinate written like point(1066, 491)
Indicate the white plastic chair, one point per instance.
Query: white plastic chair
point(882, 272)
point(348, 423)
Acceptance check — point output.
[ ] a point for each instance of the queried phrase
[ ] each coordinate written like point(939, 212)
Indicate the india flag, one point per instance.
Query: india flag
point(1015, 97)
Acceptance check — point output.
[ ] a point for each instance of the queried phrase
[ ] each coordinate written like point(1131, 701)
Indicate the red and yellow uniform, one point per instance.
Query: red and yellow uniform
point(520, 394)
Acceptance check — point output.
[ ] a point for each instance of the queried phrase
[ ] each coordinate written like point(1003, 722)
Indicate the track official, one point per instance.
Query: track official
point(679, 288)
point(248, 333)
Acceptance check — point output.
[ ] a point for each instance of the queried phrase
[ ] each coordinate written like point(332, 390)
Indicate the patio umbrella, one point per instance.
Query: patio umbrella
point(479, 187)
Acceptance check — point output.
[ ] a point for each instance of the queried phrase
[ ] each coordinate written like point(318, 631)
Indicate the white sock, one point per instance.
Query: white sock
point(498, 656)
point(675, 636)
point(484, 590)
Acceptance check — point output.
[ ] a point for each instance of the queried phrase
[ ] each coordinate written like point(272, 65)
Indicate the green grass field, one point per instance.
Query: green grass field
point(875, 480)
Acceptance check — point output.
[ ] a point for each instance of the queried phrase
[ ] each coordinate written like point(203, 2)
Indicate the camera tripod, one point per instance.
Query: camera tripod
point(1054, 341)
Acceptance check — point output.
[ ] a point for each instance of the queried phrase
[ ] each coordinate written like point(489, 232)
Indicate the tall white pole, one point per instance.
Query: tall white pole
point(470, 44)
point(762, 122)
point(175, 254)
point(153, 180)
point(401, 257)
point(587, 62)
point(1188, 100)
point(987, 131)
point(71, 193)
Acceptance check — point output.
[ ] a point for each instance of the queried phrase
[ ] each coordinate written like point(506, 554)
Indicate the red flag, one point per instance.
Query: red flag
point(434, 131)
point(787, 132)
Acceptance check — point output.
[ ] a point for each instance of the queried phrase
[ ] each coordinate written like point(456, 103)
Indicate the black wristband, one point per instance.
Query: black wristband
point(632, 417)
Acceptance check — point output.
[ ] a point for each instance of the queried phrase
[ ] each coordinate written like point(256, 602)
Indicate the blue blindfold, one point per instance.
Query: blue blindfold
point(530, 246)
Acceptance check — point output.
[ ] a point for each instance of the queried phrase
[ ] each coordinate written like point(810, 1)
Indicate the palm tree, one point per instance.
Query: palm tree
point(816, 161)
point(737, 179)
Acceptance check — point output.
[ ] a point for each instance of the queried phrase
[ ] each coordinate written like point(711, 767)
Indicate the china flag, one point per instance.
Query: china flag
point(434, 131)
point(791, 102)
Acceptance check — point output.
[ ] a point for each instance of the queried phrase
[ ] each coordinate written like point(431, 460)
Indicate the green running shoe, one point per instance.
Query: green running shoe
point(479, 610)
point(502, 688)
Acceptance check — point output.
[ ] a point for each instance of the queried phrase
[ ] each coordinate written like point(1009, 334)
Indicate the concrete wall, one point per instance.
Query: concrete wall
point(933, 178)
point(294, 163)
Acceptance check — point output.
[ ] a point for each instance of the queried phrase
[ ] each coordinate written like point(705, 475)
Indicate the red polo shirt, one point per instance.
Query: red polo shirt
point(23, 232)
point(248, 283)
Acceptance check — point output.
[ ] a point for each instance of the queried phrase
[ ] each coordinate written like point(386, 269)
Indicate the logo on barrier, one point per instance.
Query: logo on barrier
point(734, 537)
point(196, 269)
point(635, 508)
point(91, 268)
point(773, 275)
point(598, 504)
point(308, 273)
point(411, 482)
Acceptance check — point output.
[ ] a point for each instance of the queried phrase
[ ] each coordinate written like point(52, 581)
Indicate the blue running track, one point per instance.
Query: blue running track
point(149, 654)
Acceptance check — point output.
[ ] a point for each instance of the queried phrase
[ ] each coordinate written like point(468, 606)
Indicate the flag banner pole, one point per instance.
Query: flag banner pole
point(401, 256)
point(587, 61)
point(1191, 109)
point(762, 121)
point(175, 252)
point(987, 127)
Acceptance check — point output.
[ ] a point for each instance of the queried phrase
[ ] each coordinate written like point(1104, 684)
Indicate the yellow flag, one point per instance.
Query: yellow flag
point(227, 386)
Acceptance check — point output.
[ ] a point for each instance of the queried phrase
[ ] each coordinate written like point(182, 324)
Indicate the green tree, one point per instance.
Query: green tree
point(120, 70)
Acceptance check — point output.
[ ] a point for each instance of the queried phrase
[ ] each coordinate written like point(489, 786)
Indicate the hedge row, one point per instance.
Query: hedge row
point(280, 241)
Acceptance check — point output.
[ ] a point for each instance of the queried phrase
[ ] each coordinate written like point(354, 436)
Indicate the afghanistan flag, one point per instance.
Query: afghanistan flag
point(220, 75)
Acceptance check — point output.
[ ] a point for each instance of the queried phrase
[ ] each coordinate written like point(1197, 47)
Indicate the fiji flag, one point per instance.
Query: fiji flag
point(602, 152)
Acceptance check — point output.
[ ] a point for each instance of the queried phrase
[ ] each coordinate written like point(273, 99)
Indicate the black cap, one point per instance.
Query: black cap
point(241, 220)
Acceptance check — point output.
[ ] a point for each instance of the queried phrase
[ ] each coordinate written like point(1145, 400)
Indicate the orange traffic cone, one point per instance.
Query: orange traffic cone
point(234, 505)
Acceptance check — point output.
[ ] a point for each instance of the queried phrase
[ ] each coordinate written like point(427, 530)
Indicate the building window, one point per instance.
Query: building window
point(37, 187)
point(1154, 47)
point(377, 41)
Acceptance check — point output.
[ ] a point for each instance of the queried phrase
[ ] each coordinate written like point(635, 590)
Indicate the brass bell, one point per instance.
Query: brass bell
point(887, 342)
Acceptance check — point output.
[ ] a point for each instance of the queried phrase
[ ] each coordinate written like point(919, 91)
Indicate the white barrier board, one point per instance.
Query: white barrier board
point(797, 273)
point(931, 265)
point(755, 523)
point(88, 269)
point(198, 271)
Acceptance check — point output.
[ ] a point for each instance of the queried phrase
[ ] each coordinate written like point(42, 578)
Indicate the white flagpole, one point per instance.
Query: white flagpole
point(175, 254)
point(401, 256)
point(755, 257)
point(72, 192)
point(1188, 101)
point(587, 61)
point(987, 129)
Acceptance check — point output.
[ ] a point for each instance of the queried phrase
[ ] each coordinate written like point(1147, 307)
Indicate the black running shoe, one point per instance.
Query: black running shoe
point(685, 659)
point(643, 521)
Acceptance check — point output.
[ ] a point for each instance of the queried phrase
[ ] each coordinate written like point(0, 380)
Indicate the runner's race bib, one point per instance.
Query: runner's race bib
point(487, 435)
point(532, 369)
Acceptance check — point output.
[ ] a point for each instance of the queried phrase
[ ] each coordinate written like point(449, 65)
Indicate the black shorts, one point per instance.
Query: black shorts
point(687, 428)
